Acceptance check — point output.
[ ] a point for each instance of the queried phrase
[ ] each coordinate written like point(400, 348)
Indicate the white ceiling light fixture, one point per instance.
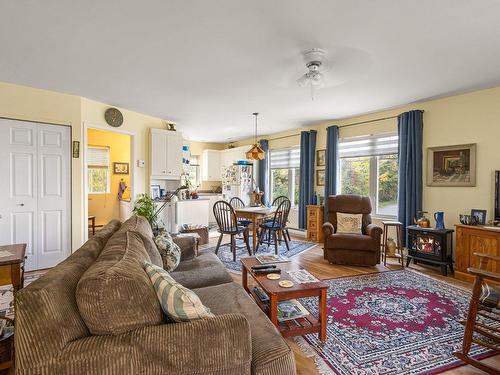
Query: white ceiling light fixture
point(314, 77)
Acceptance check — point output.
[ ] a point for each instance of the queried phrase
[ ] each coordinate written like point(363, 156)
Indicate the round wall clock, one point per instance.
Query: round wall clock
point(113, 117)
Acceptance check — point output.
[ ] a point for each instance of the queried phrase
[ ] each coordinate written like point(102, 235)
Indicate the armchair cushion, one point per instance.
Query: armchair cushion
point(349, 223)
point(351, 241)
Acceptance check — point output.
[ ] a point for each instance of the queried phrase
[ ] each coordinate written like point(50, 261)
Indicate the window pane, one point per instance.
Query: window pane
point(387, 200)
point(355, 176)
point(98, 180)
point(279, 182)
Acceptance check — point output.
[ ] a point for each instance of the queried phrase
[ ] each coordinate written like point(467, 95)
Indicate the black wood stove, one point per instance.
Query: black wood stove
point(434, 246)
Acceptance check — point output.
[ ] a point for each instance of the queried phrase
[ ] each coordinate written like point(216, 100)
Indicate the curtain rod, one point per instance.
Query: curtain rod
point(343, 126)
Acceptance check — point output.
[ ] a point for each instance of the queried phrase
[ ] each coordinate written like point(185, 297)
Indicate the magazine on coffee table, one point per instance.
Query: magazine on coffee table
point(302, 276)
point(271, 258)
point(291, 309)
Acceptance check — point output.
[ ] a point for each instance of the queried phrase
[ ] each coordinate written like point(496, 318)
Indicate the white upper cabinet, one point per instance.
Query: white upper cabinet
point(211, 165)
point(165, 150)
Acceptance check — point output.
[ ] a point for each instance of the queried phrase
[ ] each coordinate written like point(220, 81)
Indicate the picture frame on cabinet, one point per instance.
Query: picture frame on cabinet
point(480, 214)
point(155, 191)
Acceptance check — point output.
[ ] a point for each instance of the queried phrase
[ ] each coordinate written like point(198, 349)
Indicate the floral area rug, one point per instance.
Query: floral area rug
point(226, 256)
point(396, 322)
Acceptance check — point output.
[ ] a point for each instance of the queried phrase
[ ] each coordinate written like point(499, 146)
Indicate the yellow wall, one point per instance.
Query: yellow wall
point(106, 207)
point(468, 118)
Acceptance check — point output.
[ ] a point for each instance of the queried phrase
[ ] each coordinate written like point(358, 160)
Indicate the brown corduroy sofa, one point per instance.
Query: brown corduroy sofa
point(348, 248)
point(97, 313)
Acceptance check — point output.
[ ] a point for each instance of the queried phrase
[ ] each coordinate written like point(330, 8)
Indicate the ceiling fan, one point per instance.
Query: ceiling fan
point(314, 77)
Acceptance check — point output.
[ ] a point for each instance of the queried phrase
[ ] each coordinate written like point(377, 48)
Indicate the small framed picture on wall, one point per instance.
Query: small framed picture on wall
point(320, 158)
point(320, 177)
point(120, 168)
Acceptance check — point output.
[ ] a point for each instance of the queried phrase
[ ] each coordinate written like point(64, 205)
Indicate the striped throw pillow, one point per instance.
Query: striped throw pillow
point(178, 302)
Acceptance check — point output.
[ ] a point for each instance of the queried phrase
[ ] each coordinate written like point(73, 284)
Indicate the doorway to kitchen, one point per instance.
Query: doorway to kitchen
point(108, 176)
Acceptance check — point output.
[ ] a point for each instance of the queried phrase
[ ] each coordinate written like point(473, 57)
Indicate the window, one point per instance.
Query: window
point(98, 170)
point(369, 166)
point(285, 173)
point(194, 170)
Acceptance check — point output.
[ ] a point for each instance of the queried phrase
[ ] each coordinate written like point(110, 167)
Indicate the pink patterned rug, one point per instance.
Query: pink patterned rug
point(397, 322)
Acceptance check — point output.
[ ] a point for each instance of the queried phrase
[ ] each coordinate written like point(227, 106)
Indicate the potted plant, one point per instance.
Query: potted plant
point(145, 206)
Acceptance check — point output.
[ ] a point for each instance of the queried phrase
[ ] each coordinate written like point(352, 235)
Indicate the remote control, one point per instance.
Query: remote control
point(263, 266)
point(260, 293)
point(267, 270)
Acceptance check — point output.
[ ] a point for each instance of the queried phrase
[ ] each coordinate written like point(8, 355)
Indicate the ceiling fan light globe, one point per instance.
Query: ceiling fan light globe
point(303, 80)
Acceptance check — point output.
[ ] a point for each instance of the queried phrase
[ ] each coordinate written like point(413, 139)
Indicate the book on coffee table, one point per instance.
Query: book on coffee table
point(291, 309)
point(271, 258)
point(302, 276)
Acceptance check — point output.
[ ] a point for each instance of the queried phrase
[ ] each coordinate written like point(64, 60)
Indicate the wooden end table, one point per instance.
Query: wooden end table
point(276, 293)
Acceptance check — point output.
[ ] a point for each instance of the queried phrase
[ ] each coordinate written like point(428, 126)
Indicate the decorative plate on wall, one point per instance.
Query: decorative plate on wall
point(113, 117)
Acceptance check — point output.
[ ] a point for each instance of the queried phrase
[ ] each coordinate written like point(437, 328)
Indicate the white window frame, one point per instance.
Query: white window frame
point(291, 176)
point(373, 176)
point(107, 168)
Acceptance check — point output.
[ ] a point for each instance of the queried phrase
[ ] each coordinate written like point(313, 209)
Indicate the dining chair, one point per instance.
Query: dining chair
point(276, 226)
point(276, 202)
point(228, 224)
point(236, 203)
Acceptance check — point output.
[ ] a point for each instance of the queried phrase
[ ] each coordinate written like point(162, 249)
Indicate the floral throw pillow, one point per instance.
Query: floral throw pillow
point(169, 251)
point(349, 223)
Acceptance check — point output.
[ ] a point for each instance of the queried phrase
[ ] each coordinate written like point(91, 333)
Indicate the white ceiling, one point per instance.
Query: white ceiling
point(209, 64)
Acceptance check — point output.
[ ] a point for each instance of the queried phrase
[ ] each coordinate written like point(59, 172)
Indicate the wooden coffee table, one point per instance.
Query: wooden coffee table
point(276, 293)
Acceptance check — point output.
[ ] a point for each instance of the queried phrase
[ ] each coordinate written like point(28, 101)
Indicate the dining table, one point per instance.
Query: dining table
point(255, 215)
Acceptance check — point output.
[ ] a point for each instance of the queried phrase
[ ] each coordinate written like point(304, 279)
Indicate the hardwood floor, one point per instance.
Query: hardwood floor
point(313, 261)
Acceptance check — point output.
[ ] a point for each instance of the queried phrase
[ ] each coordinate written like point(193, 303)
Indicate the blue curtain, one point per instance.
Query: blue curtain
point(264, 171)
point(410, 129)
point(307, 159)
point(332, 160)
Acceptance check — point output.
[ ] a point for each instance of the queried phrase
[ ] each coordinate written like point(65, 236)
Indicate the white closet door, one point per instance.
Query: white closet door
point(54, 200)
point(35, 191)
point(18, 190)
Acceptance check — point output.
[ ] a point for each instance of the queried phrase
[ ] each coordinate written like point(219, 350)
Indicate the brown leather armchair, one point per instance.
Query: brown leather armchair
point(349, 248)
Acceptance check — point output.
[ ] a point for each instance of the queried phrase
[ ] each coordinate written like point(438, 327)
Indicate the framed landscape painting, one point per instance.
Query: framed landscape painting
point(451, 165)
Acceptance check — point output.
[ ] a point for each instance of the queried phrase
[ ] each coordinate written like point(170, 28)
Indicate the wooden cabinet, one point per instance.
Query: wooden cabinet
point(315, 223)
point(475, 239)
point(211, 167)
point(165, 154)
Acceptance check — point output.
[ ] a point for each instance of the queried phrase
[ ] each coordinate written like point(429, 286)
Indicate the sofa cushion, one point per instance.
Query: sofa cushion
point(178, 302)
point(204, 270)
point(269, 350)
point(169, 251)
point(138, 224)
point(350, 241)
point(115, 295)
point(151, 249)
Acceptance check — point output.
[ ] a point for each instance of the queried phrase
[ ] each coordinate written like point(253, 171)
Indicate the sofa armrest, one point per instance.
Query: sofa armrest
point(374, 231)
point(188, 246)
point(204, 346)
point(219, 344)
point(328, 229)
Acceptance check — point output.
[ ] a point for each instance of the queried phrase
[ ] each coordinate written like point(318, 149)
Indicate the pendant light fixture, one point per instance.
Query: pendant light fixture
point(256, 152)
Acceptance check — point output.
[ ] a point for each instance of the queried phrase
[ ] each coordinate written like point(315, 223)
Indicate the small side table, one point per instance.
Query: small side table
point(12, 265)
point(399, 243)
point(200, 230)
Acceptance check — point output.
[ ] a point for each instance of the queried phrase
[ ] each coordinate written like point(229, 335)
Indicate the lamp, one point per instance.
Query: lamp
point(256, 152)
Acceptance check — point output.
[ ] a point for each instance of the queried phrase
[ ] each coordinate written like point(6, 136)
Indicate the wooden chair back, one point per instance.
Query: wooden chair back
point(225, 217)
point(236, 202)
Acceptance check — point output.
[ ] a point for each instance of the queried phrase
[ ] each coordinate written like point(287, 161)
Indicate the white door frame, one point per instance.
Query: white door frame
point(86, 127)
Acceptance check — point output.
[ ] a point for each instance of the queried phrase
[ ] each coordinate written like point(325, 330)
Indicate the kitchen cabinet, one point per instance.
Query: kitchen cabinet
point(211, 167)
point(165, 154)
point(192, 211)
